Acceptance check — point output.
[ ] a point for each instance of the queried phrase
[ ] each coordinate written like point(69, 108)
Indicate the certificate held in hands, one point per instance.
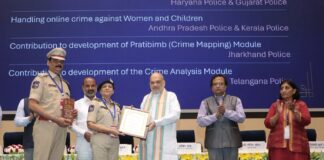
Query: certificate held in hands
point(134, 122)
point(67, 108)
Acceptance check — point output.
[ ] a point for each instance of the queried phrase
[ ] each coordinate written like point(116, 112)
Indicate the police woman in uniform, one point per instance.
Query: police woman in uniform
point(103, 119)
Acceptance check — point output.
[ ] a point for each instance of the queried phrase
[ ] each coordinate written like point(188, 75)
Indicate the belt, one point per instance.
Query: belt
point(41, 118)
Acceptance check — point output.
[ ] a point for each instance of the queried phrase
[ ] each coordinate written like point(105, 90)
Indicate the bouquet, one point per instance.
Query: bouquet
point(14, 149)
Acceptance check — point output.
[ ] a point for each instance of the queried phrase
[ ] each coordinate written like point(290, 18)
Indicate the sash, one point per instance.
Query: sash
point(157, 146)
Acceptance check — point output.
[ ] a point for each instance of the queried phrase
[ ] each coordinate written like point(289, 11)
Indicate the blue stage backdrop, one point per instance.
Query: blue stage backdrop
point(256, 43)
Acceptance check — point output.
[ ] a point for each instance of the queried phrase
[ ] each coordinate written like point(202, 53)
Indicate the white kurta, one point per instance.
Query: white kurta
point(172, 114)
point(79, 126)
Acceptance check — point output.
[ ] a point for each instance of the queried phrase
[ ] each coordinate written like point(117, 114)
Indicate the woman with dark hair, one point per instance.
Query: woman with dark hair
point(103, 120)
point(286, 119)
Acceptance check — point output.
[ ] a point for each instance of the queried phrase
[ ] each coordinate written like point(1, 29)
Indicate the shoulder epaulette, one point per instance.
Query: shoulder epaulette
point(42, 74)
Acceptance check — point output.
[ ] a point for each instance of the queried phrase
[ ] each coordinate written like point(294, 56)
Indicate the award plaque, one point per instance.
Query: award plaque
point(134, 122)
point(67, 108)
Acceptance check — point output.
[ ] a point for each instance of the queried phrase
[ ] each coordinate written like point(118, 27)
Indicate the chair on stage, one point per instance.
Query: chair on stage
point(311, 134)
point(127, 140)
point(185, 136)
point(253, 135)
point(10, 138)
point(68, 141)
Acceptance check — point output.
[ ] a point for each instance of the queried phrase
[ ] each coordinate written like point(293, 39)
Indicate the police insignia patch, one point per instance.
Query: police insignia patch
point(35, 84)
point(91, 108)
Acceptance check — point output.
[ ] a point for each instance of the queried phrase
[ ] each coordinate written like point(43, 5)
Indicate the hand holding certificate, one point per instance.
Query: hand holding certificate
point(134, 122)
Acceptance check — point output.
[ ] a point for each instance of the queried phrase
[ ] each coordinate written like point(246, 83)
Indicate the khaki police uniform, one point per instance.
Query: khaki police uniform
point(49, 138)
point(104, 147)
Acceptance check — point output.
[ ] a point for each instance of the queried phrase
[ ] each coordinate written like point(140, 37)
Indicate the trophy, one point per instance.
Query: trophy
point(67, 108)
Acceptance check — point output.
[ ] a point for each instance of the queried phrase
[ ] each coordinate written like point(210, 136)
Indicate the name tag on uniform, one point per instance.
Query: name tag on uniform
point(287, 132)
point(52, 85)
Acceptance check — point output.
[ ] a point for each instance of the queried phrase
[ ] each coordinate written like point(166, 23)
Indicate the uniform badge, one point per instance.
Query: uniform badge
point(35, 84)
point(91, 108)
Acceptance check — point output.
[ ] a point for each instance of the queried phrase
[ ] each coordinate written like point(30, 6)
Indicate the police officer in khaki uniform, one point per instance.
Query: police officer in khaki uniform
point(47, 91)
point(103, 119)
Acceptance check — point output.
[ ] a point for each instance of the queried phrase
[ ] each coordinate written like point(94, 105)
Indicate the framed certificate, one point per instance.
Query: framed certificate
point(134, 121)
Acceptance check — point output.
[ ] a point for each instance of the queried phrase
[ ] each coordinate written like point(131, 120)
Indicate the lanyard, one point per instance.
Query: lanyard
point(287, 113)
point(287, 117)
point(58, 87)
point(113, 115)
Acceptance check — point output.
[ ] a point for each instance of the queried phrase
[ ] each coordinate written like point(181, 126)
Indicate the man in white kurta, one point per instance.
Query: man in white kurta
point(79, 126)
point(164, 108)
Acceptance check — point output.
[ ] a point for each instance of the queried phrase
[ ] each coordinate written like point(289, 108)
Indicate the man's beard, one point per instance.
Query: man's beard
point(90, 94)
point(156, 91)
